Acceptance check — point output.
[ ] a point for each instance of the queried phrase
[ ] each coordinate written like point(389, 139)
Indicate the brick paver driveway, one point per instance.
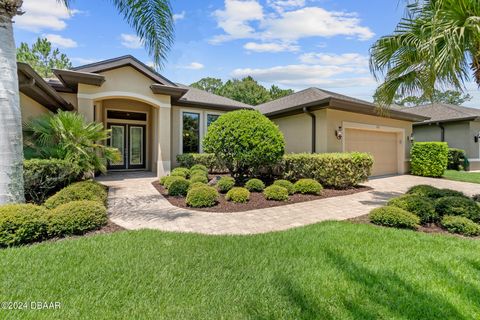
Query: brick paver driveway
point(134, 203)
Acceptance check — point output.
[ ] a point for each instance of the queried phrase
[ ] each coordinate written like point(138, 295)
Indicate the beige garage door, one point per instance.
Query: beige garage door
point(381, 145)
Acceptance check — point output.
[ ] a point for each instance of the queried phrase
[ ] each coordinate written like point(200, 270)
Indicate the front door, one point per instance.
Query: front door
point(129, 139)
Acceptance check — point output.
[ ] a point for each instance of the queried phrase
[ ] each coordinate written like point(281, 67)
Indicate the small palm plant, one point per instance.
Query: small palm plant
point(66, 135)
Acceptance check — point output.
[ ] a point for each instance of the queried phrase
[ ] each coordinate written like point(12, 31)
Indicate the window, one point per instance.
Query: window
point(211, 118)
point(191, 132)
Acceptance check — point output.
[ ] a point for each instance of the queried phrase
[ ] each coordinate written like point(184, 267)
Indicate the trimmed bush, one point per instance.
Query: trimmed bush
point(198, 172)
point(276, 193)
point(255, 185)
point(460, 225)
point(198, 178)
point(206, 159)
point(43, 177)
point(85, 190)
point(244, 140)
point(238, 195)
point(394, 217)
point(336, 170)
point(457, 159)
point(168, 181)
point(225, 184)
point(195, 185)
point(180, 172)
point(202, 197)
point(420, 206)
point(429, 159)
point(162, 180)
point(458, 206)
point(22, 224)
point(178, 187)
point(76, 218)
point(286, 184)
point(307, 186)
point(199, 167)
point(428, 191)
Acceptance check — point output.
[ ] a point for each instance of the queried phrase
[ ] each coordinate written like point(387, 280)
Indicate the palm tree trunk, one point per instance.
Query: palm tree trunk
point(11, 153)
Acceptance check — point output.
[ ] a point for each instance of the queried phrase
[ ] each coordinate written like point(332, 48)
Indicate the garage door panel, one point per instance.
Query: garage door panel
point(381, 145)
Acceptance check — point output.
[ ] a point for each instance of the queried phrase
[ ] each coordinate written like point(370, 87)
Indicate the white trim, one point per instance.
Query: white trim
point(122, 95)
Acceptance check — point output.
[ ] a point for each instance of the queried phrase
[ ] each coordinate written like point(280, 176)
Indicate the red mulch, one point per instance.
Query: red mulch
point(257, 200)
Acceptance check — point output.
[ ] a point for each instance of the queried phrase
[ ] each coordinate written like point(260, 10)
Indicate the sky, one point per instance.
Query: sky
point(290, 43)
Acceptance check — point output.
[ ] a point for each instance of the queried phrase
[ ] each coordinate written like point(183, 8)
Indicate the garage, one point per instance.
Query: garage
point(382, 145)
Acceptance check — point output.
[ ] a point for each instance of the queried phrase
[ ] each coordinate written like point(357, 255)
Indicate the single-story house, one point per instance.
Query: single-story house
point(457, 125)
point(154, 119)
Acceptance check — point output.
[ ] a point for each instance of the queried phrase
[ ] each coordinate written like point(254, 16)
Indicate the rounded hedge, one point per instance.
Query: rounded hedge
point(199, 167)
point(85, 190)
point(431, 192)
point(276, 193)
point(255, 185)
point(178, 187)
point(238, 195)
point(204, 196)
point(198, 172)
point(225, 184)
point(76, 218)
point(195, 185)
point(458, 206)
point(22, 224)
point(244, 140)
point(169, 179)
point(394, 217)
point(180, 172)
point(286, 184)
point(307, 186)
point(162, 180)
point(422, 207)
point(198, 178)
point(429, 159)
point(460, 225)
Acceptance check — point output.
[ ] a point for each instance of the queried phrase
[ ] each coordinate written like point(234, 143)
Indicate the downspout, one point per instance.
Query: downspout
point(314, 128)
point(442, 131)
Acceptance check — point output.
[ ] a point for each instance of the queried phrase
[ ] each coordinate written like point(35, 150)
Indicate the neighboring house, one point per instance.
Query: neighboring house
point(457, 125)
point(154, 119)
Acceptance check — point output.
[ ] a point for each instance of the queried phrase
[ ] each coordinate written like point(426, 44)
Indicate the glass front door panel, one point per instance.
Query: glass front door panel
point(118, 141)
point(136, 145)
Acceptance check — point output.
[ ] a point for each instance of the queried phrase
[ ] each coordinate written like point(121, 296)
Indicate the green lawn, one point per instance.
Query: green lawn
point(462, 176)
point(332, 270)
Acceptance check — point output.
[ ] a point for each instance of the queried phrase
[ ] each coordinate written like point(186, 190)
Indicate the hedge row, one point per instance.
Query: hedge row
point(429, 159)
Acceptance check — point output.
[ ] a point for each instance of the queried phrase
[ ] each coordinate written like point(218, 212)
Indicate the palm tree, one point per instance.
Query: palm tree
point(436, 45)
point(153, 23)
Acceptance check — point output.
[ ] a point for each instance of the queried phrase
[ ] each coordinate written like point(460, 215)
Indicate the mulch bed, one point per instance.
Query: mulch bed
point(257, 200)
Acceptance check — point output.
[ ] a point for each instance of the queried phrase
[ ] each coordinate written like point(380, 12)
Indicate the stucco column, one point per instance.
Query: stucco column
point(163, 131)
point(85, 108)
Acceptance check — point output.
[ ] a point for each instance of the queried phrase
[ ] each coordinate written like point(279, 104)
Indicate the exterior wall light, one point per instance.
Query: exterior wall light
point(411, 138)
point(339, 133)
point(476, 137)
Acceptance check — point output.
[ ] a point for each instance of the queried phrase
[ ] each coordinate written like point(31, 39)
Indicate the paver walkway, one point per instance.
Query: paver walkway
point(135, 204)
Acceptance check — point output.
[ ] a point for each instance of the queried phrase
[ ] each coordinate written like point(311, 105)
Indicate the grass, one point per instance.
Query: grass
point(331, 270)
point(464, 176)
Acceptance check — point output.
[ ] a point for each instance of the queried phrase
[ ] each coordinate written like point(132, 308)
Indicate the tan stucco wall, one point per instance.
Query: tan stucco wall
point(474, 150)
point(70, 97)
point(31, 108)
point(297, 131)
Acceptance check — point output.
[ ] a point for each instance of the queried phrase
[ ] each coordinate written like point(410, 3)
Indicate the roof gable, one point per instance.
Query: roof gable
point(443, 112)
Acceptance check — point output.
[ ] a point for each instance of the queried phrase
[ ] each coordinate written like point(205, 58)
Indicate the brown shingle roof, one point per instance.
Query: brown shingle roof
point(197, 96)
point(442, 112)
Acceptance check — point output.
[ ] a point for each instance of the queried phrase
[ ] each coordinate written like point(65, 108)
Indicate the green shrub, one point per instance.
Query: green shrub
point(458, 206)
point(429, 159)
point(286, 184)
point(169, 179)
point(457, 159)
point(202, 197)
point(178, 187)
point(198, 172)
point(208, 160)
point(307, 186)
point(244, 140)
point(461, 225)
point(85, 190)
point(198, 178)
point(162, 180)
point(180, 172)
point(336, 170)
point(422, 207)
point(199, 167)
point(428, 191)
point(276, 193)
point(43, 177)
point(195, 185)
point(255, 185)
point(76, 218)
point(238, 195)
point(394, 217)
point(225, 184)
point(476, 197)
point(22, 224)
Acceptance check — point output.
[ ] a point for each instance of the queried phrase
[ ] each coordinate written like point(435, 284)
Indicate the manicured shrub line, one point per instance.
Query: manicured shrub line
point(225, 184)
point(307, 186)
point(460, 225)
point(202, 197)
point(85, 190)
point(286, 184)
point(394, 217)
point(255, 185)
point(420, 206)
point(458, 206)
point(179, 187)
point(238, 195)
point(429, 159)
point(276, 193)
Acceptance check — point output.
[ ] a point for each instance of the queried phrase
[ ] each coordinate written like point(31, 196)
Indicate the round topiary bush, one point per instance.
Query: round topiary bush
point(286, 184)
point(394, 217)
point(178, 187)
point(195, 185)
point(225, 184)
point(458, 206)
point(244, 140)
point(85, 190)
point(162, 180)
point(255, 185)
point(170, 179)
point(202, 197)
point(22, 224)
point(180, 172)
point(420, 206)
point(460, 225)
point(307, 186)
point(76, 218)
point(431, 192)
point(276, 193)
point(198, 172)
point(198, 178)
point(238, 195)
point(200, 167)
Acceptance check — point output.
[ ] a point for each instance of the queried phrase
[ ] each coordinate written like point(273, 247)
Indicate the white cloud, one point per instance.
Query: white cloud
point(179, 16)
point(353, 59)
point(131, 41)
point(270, 47)
point(281, 5)
point(59, 41)
point(193, 66)
point(43, 15)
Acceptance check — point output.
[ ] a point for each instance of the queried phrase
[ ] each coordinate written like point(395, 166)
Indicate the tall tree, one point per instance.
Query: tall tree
point(208, 84)
point(436, 45)
point(153, 23)
point(42, 57)
point(449, 96)
point(246, 90)
point(276, 92)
